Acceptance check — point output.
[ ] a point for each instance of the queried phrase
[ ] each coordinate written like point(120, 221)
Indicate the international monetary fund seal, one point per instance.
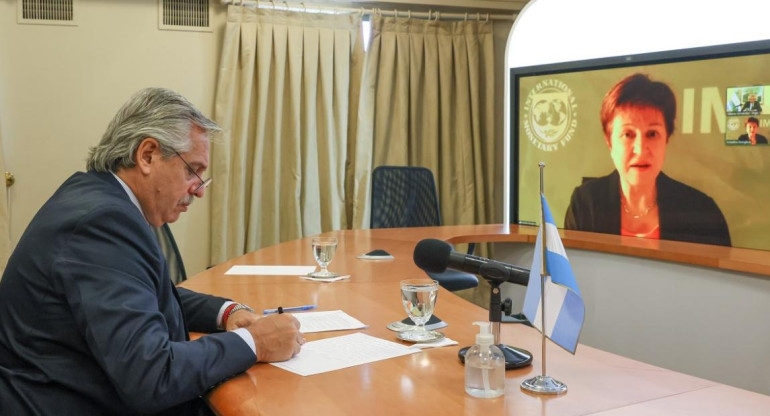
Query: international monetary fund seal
point(550, 115)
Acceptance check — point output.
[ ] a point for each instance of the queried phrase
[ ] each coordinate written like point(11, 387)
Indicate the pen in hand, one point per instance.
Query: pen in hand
point(288, 309)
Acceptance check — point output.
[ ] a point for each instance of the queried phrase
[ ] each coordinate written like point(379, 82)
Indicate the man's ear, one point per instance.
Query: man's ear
point(147, 152)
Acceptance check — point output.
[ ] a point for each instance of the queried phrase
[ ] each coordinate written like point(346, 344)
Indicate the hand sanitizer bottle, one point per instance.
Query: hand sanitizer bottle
point(484, 366)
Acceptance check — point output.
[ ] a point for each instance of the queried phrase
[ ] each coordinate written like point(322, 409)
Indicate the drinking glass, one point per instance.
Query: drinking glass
point(323, 250)
point(419, 299)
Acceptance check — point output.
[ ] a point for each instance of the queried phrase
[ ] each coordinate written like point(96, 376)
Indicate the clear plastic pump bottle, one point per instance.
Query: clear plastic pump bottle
point(484, 366)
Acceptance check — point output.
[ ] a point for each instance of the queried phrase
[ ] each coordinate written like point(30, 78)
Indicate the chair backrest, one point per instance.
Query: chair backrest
point(171, 252)
point(404, 196)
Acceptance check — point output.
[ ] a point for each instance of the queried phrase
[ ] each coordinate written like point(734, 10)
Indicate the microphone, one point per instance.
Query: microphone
point(435, 256)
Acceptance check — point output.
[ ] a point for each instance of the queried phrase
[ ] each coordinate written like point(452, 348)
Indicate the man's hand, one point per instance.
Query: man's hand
point(241, 319)
point(276, 337)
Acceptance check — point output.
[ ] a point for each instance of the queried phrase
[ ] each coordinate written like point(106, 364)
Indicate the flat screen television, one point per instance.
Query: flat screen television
point(555, 119)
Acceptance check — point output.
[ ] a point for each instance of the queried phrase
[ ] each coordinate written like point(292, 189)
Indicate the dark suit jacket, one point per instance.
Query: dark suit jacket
point(686, 214)
point(760, 138)
point(90, 323)
point(747, 106)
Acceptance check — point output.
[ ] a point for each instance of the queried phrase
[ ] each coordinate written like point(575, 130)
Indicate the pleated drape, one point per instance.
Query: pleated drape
point(287, 99)
point(428, 100)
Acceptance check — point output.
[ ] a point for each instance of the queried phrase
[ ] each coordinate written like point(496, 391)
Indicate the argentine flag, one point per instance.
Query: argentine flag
point(564, 309)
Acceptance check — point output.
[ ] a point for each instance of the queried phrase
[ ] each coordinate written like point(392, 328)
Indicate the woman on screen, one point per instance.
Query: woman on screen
point(638, 199)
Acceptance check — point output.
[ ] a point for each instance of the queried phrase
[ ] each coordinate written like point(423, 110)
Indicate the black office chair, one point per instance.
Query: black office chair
point(171, 252)
point(405, 196)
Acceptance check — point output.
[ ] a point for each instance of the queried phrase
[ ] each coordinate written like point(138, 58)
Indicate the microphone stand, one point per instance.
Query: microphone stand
point(514, 357)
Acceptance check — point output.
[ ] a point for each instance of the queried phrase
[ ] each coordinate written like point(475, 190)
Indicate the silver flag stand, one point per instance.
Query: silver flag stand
point(543, 384)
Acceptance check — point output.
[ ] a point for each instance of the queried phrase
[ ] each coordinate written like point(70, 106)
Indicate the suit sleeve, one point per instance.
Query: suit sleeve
point(112, 273)
point(200, 310)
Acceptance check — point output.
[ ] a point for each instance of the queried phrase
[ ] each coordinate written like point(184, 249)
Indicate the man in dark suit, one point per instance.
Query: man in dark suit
point(751, 136)
point(90, 323)
point(752, 105)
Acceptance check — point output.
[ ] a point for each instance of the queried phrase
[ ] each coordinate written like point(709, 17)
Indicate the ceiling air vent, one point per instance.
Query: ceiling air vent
point(46, 12)
point(189, 15)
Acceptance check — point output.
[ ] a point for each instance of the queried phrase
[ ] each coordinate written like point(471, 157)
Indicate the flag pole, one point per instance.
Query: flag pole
point(543, 265)
point(543, 384)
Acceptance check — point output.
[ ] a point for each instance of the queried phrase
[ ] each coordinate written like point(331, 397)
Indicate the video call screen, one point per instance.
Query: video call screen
point(718, 146)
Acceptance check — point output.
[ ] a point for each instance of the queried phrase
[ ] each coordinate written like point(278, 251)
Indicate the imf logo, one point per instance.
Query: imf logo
point(550, 115)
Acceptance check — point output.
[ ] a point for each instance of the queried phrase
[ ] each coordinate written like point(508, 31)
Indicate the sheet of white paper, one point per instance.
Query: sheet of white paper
point(271, 270)
point(342, 352)
point(326, 321)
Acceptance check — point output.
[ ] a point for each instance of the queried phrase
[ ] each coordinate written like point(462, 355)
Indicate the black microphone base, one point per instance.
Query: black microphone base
point(514, 357)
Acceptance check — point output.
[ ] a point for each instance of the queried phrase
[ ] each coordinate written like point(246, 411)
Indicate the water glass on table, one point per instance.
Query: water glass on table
point(419, 299)
point(323, 251)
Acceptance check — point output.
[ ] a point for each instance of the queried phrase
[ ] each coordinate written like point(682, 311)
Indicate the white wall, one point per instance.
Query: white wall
point(61, 85)
point(586, 29)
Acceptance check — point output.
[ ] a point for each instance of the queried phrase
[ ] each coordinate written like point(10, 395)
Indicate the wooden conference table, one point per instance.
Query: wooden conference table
point(432, 382)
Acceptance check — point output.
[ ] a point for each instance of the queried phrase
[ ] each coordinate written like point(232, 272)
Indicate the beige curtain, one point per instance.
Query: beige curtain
point(286, 98)
point(428, 96)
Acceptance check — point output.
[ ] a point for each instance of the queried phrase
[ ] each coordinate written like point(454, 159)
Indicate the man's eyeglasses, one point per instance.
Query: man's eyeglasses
point(204, 183)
